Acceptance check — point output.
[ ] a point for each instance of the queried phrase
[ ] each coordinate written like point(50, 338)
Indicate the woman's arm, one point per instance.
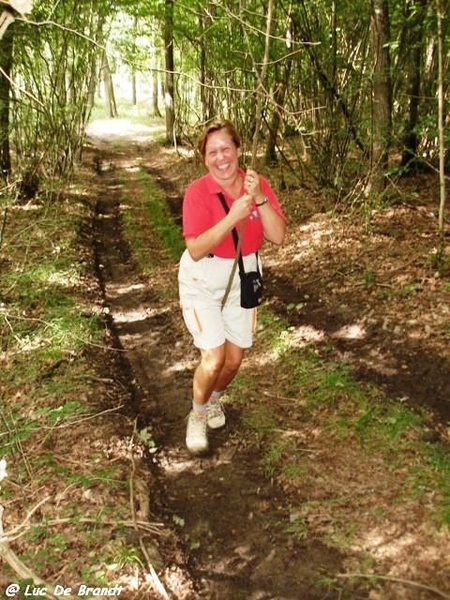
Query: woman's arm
point(274, 225)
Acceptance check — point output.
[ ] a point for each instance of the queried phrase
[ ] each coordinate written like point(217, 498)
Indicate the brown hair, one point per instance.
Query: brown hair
point(218, 126)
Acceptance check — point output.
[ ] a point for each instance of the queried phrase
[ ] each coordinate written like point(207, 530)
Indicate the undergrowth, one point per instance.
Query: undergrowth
point(54, 460)
point(320, 407)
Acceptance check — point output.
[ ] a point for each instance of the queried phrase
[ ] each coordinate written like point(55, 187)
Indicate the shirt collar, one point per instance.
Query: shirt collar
point(214, 187)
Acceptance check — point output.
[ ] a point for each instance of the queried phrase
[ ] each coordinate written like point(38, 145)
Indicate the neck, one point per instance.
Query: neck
point(233, 188)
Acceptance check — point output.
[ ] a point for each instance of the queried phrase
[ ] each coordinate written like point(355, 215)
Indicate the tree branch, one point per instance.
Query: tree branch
point(396, 580)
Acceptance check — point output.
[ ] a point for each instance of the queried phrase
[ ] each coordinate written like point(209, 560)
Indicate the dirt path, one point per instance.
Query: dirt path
point(231, 521)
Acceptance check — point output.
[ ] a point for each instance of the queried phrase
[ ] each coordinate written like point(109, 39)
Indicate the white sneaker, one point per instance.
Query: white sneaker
point(214, 414)
point(196, 434)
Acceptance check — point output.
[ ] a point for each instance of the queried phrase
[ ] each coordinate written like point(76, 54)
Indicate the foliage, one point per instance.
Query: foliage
point(55, 73)
point(317, 105)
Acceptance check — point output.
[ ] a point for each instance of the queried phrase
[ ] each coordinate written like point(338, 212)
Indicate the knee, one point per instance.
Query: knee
point(212, 362)
point(232, 363)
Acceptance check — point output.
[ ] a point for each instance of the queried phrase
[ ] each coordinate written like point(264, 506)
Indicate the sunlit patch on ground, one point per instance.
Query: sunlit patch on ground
point(122, 128)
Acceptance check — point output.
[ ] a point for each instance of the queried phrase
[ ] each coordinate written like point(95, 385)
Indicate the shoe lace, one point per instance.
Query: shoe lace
point(215, 409)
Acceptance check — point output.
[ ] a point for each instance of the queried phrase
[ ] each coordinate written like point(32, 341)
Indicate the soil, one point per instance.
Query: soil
point(364, 293)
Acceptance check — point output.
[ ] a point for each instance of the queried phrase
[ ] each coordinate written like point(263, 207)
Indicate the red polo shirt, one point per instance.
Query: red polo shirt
point(202, 209)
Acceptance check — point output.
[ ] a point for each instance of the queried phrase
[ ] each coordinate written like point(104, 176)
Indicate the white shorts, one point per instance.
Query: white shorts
point(202, 286)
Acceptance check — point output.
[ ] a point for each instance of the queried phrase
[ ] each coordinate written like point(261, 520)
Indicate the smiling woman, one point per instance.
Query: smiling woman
point(225, 204)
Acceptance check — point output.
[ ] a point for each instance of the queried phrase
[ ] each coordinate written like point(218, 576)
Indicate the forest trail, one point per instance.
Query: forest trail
point(232, 522)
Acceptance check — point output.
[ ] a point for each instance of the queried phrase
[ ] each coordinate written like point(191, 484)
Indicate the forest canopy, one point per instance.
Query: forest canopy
point(348, 95)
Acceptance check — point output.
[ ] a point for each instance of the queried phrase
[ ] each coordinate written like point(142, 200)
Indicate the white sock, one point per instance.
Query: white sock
point(215, 396)
point(199, 409)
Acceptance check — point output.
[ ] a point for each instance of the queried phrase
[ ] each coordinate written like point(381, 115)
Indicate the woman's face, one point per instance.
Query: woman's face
point(222, 156)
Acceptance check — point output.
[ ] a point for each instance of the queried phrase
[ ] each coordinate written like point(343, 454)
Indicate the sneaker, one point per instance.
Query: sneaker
point(196, 434)
point(214, 415)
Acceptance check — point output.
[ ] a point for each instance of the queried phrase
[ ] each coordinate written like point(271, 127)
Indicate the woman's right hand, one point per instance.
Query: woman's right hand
point(203, 244)
point(241, 208)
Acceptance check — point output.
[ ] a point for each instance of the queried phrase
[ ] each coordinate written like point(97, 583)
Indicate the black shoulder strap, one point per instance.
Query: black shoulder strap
point(234, 233)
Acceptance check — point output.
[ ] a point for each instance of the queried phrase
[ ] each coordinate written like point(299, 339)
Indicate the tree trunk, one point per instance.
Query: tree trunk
point(416, 16)
point(206, 95)
point(109, 89)
point(441, 100)
point(381, 93)
point(278, 100)
point(262, 79)
point(154, 112)
point(155, 79)
point(169, 85)
point(133, 88)
point(6, 59)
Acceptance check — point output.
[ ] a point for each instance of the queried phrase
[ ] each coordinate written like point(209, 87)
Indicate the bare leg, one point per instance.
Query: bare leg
point(231, 364)
point(207, 372)
point(217, 368)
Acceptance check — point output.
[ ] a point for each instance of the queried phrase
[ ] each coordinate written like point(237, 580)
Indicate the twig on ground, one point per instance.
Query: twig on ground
point(19, 567)
point(83, 419)
point(14, 534)
point(396, 580)
point(154, 528)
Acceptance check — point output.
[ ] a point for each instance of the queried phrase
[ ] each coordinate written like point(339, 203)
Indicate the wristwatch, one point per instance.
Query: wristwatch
point(266, 199)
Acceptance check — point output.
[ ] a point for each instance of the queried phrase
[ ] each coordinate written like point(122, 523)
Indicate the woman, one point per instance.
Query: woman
point(222, 335)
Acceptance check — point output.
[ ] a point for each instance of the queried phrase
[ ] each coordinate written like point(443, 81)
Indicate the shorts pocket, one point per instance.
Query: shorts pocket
point(192, 320)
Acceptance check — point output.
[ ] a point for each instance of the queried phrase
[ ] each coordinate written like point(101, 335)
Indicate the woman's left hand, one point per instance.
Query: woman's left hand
point(252, 185)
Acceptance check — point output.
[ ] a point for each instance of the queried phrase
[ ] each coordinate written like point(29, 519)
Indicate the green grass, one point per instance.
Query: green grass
point(162, 220)
point(158, 214)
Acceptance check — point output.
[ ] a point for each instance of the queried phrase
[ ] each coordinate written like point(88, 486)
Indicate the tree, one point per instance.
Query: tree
point(109, 87)
point(262, 78)
point(169, 72)
point(56, 65)
point(416, 11)
point(6, 61)
point(442, 186)
point(381, 95)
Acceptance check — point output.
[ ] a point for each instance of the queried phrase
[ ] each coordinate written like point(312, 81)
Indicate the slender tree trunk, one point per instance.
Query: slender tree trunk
point(416, 16)
point(155, 79)
point(133, 73)
point(6, 59)
point(203, 77)
point(203, 82)
point(440, 16)
point(381, 93)
point(206, 78)
point(133, 88)
point(154, 111)
point(262, 79)
point(109, 89)
point(278, 100)
point(169, 85)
